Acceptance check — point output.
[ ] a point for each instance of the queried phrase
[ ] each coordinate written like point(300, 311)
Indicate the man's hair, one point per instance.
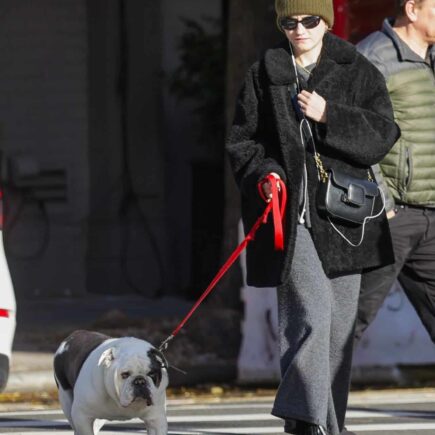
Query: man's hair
point(400, 6)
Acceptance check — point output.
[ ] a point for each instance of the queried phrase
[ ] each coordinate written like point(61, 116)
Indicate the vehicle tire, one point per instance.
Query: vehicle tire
point(4, 371)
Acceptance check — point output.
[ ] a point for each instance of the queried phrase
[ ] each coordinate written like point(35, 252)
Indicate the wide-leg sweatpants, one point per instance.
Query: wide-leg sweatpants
point(316, 323)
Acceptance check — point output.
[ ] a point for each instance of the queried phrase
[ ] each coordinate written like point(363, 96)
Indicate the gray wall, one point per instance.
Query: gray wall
point(84, 102)
point(43, 117)
point(126, 251)
point(180, 139)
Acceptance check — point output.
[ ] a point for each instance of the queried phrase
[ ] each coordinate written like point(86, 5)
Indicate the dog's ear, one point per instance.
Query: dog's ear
point(107, 357)
point(156, 354)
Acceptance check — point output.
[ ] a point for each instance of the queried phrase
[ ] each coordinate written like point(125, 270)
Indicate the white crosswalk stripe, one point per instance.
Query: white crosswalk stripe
point(244, 417)
point(399, 427)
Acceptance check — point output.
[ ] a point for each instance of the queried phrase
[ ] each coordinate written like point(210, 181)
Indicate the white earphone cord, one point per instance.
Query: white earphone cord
point(366, 219)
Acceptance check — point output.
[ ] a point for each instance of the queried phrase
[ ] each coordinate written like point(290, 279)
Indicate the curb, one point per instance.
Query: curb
point(43, 380)
point(27, 382)
point(22, 381)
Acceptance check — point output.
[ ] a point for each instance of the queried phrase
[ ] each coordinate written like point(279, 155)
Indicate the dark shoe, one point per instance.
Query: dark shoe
point(347, 432)
point(290, 427)
point(302, 428)
point(312, 429)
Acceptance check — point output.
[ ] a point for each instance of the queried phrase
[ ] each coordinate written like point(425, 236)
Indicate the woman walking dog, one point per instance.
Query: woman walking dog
point(316, 114)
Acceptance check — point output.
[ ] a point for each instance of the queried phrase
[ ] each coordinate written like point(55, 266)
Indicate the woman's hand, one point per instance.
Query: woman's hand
point(267, 187)
point(313, 106)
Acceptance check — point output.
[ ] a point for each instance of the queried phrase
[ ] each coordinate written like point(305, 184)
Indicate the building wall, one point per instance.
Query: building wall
point(43, 117)
point(99, 153)
point(180, 139)
point(126, 249)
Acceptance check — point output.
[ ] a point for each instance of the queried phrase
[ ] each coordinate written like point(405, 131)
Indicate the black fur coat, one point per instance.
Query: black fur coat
point(264, 138)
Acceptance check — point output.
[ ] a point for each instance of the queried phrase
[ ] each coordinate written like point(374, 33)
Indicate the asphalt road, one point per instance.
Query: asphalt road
point(410, 413)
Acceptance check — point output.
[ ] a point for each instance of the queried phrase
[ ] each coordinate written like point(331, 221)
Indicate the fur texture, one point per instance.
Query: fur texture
point(265, 138)
point(118, 379)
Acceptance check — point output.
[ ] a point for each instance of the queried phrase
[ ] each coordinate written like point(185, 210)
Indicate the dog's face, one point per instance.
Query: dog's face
point(135, 373)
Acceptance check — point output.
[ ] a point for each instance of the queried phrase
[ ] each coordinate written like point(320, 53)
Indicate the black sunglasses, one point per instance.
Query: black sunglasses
point(308, 22)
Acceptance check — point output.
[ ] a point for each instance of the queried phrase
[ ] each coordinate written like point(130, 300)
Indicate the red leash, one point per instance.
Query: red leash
point(277, 206)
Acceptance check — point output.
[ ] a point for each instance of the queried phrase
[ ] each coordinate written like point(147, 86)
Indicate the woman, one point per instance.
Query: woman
point(318, 274)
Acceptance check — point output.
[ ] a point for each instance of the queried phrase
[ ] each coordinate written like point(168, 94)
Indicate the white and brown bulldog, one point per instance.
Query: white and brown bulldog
point(102, 378)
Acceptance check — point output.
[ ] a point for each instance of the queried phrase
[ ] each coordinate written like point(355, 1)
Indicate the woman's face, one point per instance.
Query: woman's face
point(305, 40)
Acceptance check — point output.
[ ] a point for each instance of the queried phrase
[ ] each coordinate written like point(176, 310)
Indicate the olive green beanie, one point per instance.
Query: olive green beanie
point(288, 8)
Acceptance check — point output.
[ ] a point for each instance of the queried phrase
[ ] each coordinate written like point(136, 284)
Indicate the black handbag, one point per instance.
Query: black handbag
point(346, 198)
point(342, 198)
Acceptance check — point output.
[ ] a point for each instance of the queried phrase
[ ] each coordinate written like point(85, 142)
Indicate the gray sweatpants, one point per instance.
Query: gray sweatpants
point(316, 322)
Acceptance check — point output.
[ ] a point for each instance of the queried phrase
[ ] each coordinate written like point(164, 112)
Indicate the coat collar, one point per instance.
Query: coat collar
point(279, 65)
point(404, 51)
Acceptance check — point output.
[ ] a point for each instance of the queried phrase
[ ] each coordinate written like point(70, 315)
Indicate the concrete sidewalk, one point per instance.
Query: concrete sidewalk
point(206, 348)
point(30, 372)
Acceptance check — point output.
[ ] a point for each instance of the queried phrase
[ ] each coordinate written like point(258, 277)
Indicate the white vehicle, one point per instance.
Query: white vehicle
point(7, 309)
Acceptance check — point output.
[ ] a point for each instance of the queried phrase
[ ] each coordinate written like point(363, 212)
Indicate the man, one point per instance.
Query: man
point(403, 52)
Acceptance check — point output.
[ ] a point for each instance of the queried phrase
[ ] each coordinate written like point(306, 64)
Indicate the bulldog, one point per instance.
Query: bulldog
point(100, 378)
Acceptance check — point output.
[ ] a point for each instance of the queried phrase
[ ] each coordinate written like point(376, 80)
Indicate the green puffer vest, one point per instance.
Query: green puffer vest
point(409, 168)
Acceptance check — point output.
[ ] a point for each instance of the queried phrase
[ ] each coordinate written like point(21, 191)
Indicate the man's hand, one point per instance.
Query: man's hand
point(391, 214)
point(267, 188)
point(313, 106)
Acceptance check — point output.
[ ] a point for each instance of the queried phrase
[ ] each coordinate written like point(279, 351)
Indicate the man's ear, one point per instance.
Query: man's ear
point(107, 357)
point(411, 10)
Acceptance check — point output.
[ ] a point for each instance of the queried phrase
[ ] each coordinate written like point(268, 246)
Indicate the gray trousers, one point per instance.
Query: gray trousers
point(316, 323)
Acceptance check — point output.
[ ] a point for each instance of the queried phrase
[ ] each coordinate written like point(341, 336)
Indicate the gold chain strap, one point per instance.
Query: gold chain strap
point(324, 175)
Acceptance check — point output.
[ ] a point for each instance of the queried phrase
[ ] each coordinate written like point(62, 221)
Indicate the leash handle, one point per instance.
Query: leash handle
point(277, 205)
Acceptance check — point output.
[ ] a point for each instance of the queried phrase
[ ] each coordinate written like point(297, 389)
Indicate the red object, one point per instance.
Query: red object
point(277, 207)
point(341, 20)
point(4, 313)
point(355, 19)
